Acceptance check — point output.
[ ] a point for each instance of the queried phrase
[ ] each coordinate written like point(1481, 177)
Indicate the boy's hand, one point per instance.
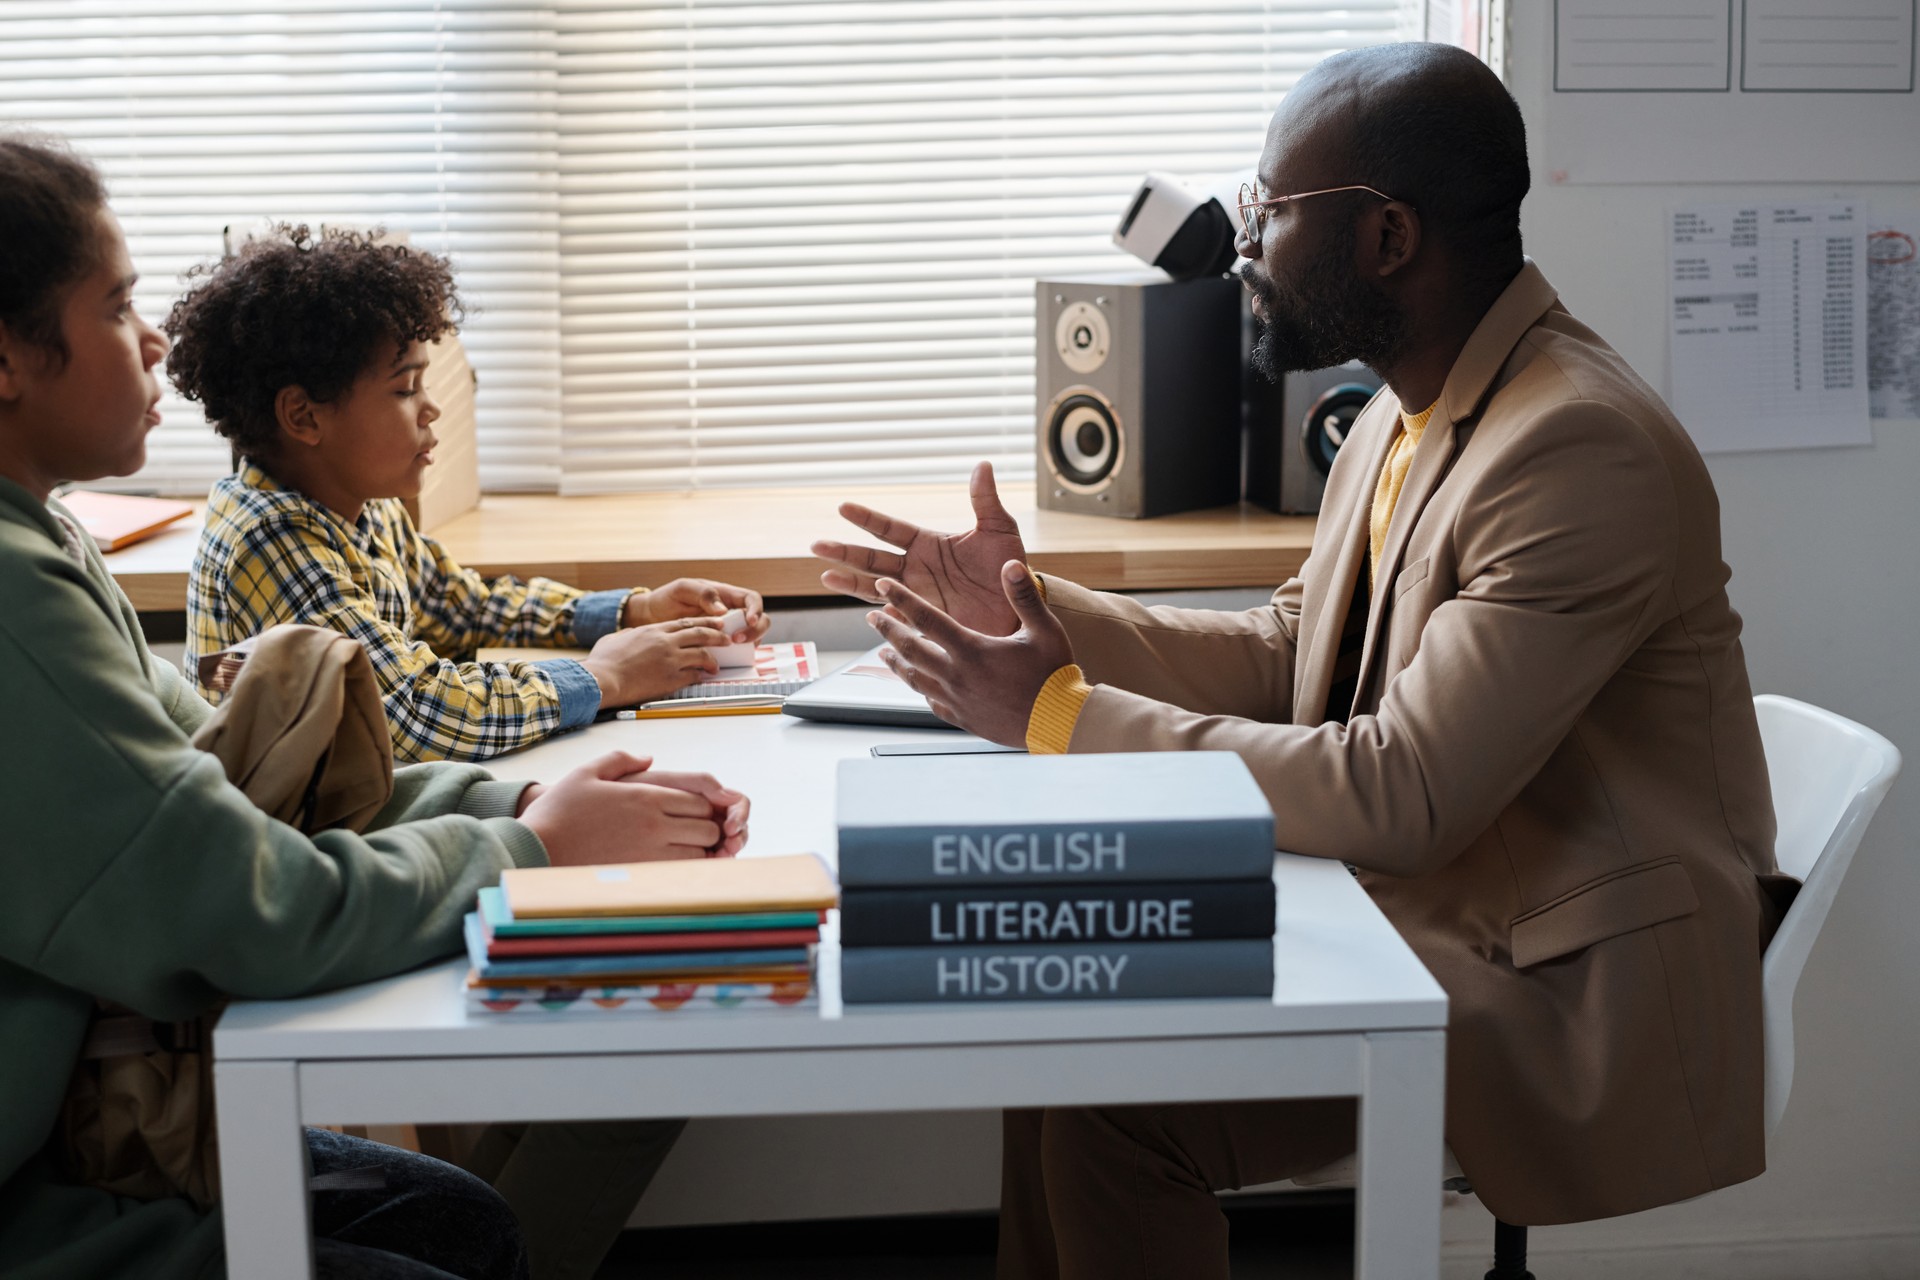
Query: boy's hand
point(698, 598)
point(604, 812)
point(643, 663)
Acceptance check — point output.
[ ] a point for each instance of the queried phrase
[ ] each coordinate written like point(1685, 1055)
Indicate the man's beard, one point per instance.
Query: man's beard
point(1323, 316)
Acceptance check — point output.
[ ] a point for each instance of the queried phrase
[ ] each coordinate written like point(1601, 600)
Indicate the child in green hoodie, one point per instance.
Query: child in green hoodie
point(136, 873)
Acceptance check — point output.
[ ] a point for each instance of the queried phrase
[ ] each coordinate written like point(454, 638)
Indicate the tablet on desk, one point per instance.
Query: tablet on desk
point(945, 747)
point(865, 691)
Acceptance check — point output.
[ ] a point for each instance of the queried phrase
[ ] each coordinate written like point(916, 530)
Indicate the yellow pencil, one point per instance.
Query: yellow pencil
point(665, 713)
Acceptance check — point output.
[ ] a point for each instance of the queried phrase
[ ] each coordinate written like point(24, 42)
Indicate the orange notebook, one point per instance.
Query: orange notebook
point(115, 519)
point(692, 886)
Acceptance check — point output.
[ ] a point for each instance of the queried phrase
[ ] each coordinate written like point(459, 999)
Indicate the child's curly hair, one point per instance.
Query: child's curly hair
point(298, 310)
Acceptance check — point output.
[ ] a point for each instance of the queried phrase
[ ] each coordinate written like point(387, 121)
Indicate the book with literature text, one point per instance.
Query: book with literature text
point(1057, 913)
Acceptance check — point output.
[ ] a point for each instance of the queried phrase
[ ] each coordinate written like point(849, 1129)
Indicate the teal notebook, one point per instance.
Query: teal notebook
point(541, 968)
point(500, 922)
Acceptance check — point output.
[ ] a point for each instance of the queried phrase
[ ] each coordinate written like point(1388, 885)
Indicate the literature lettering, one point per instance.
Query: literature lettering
point(1072, 920)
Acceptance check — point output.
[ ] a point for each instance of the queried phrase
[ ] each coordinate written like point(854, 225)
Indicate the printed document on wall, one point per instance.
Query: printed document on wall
point(1893, 312)
point(1768, 328)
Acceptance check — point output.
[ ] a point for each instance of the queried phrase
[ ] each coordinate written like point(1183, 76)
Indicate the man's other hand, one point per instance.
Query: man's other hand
point(959, 573)
point(984, 683)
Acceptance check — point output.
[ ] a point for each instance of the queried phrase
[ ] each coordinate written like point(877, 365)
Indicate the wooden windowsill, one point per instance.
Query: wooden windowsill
point(759, 537)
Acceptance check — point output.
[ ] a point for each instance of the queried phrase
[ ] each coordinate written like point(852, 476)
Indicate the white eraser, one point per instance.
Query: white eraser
point(735, 655)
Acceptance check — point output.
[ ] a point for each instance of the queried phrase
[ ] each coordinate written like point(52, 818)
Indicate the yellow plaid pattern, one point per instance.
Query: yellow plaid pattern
point(270, 555)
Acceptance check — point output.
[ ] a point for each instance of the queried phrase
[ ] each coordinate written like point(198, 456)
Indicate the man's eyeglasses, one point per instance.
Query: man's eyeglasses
point(1253, 210)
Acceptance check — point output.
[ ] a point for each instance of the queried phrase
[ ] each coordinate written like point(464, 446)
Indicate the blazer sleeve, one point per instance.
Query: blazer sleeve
point(1209, 661)
point(1567, 554)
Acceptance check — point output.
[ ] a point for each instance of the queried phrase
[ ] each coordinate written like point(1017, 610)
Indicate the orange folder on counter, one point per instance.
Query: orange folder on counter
point(115, 519)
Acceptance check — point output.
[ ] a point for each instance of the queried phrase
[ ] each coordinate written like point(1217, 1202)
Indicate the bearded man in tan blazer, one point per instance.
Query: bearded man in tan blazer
point(1507, 687)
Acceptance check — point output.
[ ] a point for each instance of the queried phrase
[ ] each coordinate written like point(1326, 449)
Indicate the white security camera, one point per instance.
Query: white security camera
point(1179, 231)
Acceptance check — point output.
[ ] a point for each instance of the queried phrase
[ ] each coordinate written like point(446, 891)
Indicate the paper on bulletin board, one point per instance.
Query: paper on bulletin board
point(1893, 312)
point(1725, 90)
point(1768, 324)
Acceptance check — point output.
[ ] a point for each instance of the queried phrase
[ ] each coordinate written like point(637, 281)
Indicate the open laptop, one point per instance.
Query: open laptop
point(863, 692)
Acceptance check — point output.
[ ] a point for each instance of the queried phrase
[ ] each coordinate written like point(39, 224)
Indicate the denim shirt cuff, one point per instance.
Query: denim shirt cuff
point(579, 691)
point(597, 614)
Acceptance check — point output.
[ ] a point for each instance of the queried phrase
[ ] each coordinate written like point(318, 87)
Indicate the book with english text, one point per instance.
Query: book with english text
point(1093, 971)
point(1086, 819)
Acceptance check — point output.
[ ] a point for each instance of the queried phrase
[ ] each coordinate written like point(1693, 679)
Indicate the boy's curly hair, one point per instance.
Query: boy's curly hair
point(298, 310)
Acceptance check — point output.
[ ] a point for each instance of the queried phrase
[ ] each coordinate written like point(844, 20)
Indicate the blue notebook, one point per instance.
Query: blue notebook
point(1017, 819)
point(587, 966)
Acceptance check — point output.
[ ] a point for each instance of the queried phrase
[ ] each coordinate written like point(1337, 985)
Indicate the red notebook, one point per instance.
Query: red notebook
point(635, 943)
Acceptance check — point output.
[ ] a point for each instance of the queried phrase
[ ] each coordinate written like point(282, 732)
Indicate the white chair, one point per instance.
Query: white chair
point(1829, 775)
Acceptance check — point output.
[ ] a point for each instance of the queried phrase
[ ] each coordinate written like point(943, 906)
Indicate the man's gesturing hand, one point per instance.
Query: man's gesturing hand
point(986, 684)
point(958, 572)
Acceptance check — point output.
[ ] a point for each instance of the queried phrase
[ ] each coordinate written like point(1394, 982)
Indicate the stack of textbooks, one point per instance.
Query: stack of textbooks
point(1010, 877)
point(715, 933)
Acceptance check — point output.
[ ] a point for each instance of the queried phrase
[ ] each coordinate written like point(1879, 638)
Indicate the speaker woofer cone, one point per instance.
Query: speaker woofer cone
point(1330, 421)
point(1083, 438)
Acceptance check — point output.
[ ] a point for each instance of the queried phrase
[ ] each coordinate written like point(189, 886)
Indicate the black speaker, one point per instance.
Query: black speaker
point(1295, 430)
point(1138, 381)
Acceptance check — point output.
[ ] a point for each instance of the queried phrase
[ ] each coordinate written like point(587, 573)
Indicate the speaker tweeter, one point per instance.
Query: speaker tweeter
point(1082, 337)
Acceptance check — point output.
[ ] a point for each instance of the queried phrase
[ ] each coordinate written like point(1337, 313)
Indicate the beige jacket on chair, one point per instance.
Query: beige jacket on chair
point(1551, 777)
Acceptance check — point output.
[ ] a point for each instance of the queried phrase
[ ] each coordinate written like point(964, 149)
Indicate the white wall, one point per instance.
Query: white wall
point(1825, 550)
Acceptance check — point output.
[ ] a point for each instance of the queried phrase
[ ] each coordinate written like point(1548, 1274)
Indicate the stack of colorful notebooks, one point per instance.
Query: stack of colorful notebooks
point(1012, 877)
point(716, 933)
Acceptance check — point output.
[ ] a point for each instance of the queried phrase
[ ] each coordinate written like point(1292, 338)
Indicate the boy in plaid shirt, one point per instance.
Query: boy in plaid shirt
point(308, 355)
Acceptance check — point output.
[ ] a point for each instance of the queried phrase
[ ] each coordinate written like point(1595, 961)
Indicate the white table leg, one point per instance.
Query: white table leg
point(1402, 1143)
point(263, 1171)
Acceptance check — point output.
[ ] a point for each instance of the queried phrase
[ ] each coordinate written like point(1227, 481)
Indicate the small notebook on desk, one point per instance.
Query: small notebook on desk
point(695, 886)
point(777, 670)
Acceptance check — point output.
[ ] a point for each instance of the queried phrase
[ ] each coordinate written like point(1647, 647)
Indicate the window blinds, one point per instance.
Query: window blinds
point(706, 242)
point(433, 117)
point(799, 240)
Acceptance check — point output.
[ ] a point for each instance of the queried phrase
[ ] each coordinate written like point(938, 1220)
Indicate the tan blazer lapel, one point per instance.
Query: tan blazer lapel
point(1525, 299)
point(1430, 461)
point(1331, 597)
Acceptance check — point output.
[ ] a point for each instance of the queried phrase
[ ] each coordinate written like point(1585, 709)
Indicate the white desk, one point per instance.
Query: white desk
point(1353, 1014)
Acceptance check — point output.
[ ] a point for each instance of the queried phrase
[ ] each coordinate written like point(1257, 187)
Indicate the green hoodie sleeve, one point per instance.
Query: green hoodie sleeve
point(138, 873)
